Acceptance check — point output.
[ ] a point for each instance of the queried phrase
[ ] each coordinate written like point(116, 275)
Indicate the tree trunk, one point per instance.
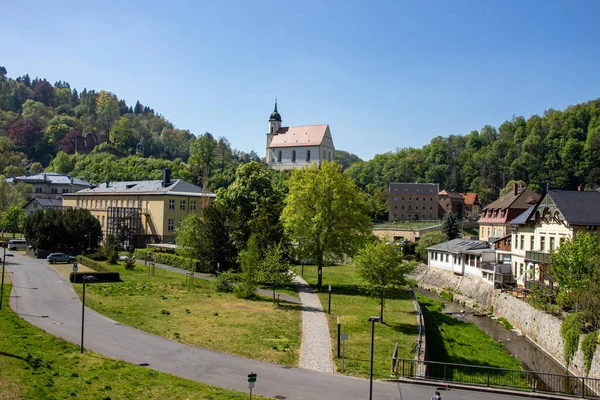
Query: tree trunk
point(319, 271)
point(381, 310)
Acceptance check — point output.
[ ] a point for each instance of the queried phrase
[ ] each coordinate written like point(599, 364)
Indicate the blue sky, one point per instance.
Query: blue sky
point(382, 74)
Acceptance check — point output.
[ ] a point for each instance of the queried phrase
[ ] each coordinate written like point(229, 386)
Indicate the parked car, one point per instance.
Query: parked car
point(60, 257)
point(17, 244)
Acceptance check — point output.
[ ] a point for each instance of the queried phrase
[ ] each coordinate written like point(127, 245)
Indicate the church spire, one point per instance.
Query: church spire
point(275, 116)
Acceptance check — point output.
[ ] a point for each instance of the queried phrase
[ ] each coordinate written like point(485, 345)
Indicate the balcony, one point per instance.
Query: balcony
point(538, 257)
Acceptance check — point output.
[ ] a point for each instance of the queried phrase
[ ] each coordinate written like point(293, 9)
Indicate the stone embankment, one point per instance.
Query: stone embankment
point(541, 328)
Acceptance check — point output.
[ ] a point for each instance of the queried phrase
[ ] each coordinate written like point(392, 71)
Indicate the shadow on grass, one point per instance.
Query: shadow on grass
point(406, 329)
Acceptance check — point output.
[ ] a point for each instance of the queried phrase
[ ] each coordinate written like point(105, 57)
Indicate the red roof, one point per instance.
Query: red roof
point(470, 198)
point(309, 135)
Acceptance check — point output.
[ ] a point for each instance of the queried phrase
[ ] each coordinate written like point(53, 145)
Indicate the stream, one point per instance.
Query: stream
point(531, 356)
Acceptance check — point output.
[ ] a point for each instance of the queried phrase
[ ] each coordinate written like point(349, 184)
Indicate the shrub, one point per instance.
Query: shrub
point(130, 261)
point(225, 282)
point(77, 277)
point(95, 265)
point(570, 330)
point(172, 260)
point(588, 347)
point(245, 290)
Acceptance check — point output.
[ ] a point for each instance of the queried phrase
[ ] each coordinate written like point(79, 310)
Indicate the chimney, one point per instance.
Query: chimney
point(515, 189)
point(107, 184)
point(166, 181)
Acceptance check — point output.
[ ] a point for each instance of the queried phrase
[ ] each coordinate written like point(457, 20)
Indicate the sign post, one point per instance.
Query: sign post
point(75, 268)
point(344, 338)
point(251, 382)
point(329, 302)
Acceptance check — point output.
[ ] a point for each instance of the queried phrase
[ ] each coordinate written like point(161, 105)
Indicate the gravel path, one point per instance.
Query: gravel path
point(315, 353)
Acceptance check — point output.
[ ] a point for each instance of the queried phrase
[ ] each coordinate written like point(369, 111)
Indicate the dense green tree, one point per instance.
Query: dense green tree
point(427, 240)
point(382, 270)
point(325, 214)
point(187, 237)
point(450, 226)
point(215, 243)
point(12, 219)
point(273, 269)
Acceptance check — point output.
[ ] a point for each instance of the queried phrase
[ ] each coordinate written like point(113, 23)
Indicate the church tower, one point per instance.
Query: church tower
point(274, 120)
point(274, 125)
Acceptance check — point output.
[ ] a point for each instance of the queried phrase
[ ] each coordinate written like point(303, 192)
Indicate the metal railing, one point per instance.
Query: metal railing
point(421, 328)
point(539, 256)
point(578, 386)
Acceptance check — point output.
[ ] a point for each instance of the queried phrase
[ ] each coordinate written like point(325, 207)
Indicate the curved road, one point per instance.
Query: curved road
point(42, 297)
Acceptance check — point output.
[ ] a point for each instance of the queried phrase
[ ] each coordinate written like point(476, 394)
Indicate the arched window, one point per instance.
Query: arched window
point(279, 156)
point(307, 155)
point(272, 128)
point(293, 155)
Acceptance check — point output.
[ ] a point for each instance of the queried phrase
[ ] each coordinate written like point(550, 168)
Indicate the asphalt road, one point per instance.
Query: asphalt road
point(42, 297)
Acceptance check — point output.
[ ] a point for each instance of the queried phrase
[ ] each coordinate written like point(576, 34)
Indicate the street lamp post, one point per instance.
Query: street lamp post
point(85, 279)
point(372, 320)
point(3, 265)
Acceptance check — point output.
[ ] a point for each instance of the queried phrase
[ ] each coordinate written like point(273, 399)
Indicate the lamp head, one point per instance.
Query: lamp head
point(375, 319)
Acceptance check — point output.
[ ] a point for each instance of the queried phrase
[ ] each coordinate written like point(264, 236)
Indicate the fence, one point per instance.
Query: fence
point(418, 345)
point(569, 385)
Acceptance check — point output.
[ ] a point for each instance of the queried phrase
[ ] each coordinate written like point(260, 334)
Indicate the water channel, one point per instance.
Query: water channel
point(531, 356)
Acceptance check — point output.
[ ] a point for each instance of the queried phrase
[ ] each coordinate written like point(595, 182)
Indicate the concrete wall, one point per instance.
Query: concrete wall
point(541, 328)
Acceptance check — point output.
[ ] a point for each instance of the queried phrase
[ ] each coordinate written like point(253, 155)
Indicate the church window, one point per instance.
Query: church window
point(293, 155)
point(279, 156)
point(307, 155)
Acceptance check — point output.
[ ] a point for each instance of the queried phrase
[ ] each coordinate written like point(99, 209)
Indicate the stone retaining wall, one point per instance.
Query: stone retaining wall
point(541, 328)
point(469, 289)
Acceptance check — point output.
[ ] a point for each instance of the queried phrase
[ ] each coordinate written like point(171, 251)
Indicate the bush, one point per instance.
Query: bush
point(225, 282)
point(245, 290)
point(172, 260)
point(77, 277)
point(95, 265)
point(130, 261)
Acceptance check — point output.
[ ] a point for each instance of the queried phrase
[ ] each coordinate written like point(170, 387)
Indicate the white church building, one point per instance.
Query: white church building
point(293, 147)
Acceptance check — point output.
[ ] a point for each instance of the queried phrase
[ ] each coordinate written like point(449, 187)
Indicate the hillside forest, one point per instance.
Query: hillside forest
point(98, 137)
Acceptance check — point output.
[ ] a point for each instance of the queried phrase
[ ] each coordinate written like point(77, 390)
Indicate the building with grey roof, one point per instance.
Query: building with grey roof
point(51, 185)
point(139, 212)
point(42, 204)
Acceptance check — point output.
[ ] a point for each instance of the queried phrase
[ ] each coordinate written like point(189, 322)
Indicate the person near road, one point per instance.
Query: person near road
point(436, 396)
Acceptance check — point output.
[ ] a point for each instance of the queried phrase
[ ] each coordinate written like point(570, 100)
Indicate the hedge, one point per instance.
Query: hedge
point(172, 260)
point(77, 277)
point(95, 265)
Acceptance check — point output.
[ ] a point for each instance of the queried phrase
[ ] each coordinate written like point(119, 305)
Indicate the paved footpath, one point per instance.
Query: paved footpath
point(315, 352)
point(42, 297)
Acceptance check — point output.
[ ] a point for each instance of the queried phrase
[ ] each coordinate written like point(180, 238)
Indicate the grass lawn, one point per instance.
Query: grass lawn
point(355, 308)
point(453, 341)
point(199, 316)
point(36, 365)
point(406, 224)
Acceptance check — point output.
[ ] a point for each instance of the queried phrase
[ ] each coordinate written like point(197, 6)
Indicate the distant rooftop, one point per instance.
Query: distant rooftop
point(176, 187)
point(413, 188)
point(461, 246)
point(49, 177)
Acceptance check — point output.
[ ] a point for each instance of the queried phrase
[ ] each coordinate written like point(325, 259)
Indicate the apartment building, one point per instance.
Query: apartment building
point(538, 231)
point(413, 201)
point(496, 217)
point(139, 212)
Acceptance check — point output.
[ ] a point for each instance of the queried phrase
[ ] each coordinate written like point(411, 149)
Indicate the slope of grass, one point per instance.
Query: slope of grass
point(199, 316)
point(355, 308)
point(36, 365)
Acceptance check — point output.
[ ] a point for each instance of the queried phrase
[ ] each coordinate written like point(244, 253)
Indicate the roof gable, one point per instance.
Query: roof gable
point(578, 207)
point(522, 200)
point(309, 135)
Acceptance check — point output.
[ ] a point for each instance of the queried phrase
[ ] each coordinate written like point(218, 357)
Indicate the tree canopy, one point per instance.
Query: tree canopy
point(324, 214)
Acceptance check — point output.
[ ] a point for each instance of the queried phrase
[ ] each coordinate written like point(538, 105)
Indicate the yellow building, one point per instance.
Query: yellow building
point(139, 212)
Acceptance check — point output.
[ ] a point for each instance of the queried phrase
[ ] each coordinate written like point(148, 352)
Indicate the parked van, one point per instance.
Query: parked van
point(17, 244)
